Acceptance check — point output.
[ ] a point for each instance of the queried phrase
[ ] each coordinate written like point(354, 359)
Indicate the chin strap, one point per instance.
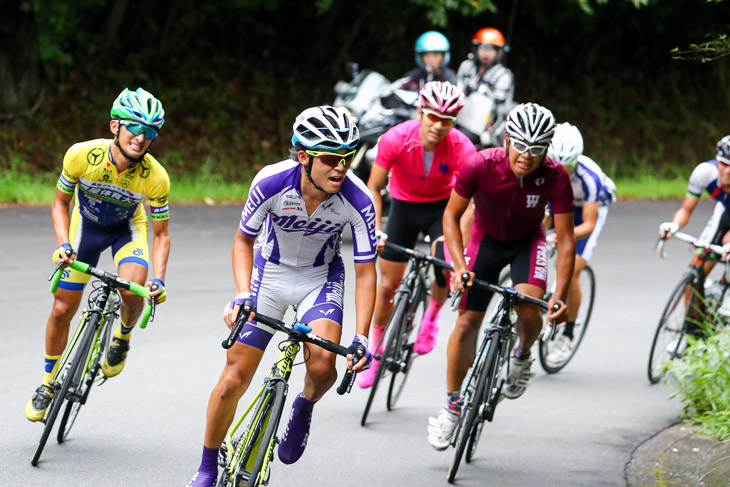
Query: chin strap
point(308, 172)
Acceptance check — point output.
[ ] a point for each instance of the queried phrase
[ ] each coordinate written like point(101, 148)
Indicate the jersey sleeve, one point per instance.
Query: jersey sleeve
point(467, 182)
point(71, 172)
point(700, 179)
point(159, 192)
point(561, 194)
point(256, 208)
point(387, 149)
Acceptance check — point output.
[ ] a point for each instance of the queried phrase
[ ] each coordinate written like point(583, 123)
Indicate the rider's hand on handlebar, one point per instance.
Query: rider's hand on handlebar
point(231, 309)
point(159, 292)
point(560, 315)
point(360, 348)
point(380, 239)
point(667, 229)
point(457, 283)
point(61, 253)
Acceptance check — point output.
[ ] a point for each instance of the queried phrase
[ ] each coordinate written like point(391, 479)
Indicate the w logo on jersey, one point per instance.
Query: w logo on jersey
point(532, 200)
point(443, 168)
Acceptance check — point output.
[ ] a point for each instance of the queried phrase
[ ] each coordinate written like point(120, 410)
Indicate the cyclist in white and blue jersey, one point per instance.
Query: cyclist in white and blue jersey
point(286, 252)
point(593, 192)
point(712, 176)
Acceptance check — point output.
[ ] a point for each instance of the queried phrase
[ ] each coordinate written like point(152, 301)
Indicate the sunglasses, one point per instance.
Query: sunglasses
point(535, 150)
point(137, 128)
point(438, 117)
point(333, 159)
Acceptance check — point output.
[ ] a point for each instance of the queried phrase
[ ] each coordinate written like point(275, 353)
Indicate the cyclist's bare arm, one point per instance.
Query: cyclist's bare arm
point(376, 182)
point(61, 219)
point(590, 215)
point(455, 209)
point(565, 240)
point(242, 256)
point(682, 216)
point(365, 285)
point(160, 248)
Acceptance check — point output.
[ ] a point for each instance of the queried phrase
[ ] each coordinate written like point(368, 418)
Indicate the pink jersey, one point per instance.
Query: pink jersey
point(506, 209)
point(400, 150)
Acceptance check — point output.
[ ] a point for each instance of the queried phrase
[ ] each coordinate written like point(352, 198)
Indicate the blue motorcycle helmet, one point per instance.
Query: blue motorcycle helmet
point(432, 41)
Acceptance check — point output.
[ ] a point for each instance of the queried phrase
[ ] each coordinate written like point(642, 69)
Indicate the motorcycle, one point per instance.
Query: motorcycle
point(376, 105)
point(479, 121)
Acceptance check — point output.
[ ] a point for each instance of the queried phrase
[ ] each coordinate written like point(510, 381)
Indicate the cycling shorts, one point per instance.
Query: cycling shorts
point(586, 245)
point(128, 242)
point(486, 257)
point(407, 219)
point(316, 292)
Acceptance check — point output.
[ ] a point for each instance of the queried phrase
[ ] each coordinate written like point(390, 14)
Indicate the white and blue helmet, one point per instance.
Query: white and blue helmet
point(325, 127)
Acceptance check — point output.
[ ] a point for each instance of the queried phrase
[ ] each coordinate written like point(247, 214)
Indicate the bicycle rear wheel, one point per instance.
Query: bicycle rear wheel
point(672, 327)
point(554, 362)
point(86, 375)
point(475, 405)
point(66, 380)
point(259, 471)
point(392, 333)
point(403, 356)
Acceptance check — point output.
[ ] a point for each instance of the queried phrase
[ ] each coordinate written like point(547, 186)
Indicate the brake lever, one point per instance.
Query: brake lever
point(455, 297)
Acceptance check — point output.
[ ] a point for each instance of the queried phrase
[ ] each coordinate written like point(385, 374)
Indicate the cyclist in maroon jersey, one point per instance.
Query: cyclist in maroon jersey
point(510, 187)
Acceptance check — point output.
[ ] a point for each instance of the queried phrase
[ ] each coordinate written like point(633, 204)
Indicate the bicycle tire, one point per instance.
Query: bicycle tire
point(391, 331)
point(266, 448)
point(672, 326)
point(85, 379)
point(473, 404)
point(59, 397)
point(241, 472)
point(404, 349)
point(588, 291)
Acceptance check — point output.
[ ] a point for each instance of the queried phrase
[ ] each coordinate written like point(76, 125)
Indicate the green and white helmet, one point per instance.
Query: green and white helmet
point(140, 106)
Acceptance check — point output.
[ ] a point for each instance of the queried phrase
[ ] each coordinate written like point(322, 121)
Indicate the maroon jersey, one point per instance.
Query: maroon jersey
point(505, 207)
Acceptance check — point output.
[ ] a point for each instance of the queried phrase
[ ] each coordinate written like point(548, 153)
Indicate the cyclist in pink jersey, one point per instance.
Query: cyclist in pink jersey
point(510, 188)
point(422, 157)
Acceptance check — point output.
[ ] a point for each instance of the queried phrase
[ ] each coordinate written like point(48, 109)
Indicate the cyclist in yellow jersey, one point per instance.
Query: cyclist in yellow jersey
point(110, 177)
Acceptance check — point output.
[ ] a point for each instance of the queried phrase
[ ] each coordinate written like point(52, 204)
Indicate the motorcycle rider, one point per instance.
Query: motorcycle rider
point(432, 52)
point(483, 70)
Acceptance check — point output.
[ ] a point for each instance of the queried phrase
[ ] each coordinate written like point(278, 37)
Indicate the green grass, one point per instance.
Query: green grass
point(20, 187)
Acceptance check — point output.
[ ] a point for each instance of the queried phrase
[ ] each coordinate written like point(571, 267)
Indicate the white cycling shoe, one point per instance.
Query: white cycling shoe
point(518, 378)
point(441, 429)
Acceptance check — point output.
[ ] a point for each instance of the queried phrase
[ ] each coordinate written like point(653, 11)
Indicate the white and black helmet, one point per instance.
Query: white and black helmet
point(531, 123)
point(325, 127)
point(723, 150)
point(567, 144)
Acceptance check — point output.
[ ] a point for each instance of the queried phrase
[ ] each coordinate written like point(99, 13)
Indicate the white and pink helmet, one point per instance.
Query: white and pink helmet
point(442, 97)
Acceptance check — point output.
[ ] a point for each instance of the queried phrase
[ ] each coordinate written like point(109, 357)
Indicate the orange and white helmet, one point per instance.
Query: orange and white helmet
point(442, 97)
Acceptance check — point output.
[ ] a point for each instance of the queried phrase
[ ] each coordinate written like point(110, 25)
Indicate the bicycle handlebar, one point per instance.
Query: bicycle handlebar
point(300, 332)
point(417, 254)
point(110, 279)
point(685, 237)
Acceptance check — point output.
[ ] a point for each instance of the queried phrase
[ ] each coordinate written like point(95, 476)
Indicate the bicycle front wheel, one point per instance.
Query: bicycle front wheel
point(556, 353)
point(672, 327)
point(259, 471)
point(475, 406)
point(403, 355)
point(389, 354)
point(67, 382)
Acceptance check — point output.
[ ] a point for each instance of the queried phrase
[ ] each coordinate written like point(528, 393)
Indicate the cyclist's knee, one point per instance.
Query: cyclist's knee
point(64, 307)
point(467, 326)
point(231, 386)
point(131, 300)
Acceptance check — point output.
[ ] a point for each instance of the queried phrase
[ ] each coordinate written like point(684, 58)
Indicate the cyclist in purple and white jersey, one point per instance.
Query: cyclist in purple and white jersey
point(287, 253)
point(510, 187)
point(593, 192)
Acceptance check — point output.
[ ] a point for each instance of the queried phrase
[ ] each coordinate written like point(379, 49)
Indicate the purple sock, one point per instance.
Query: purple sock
point(521, 354)
point(207, 473)
point(294, 439)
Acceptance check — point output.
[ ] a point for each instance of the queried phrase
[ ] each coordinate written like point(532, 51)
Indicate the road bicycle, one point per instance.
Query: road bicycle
point(246, 457)
point(482, 387)
point(554, 353)
point(692, 307)
point(80, 363)
point(409, 304)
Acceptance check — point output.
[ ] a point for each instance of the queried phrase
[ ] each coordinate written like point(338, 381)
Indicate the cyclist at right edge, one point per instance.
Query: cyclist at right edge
point(511, 187)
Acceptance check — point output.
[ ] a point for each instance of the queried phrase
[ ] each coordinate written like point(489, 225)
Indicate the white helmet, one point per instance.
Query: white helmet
point(567, 145)
point(531, 123)
point(325, 127)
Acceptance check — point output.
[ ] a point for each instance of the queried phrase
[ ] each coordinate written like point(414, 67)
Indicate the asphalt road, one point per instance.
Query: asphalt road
point(145, 427)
